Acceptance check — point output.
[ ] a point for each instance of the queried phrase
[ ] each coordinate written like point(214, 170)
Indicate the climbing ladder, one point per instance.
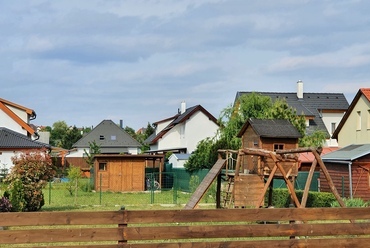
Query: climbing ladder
point(228, 193)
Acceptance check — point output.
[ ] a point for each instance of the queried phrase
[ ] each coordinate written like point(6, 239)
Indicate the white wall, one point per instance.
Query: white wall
point(6, 159)
point(8, 122)
point(328, 119)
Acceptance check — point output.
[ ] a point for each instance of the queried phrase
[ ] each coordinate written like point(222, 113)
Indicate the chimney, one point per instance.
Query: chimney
point(183, 107)
point(121, 124)
point(300, 89)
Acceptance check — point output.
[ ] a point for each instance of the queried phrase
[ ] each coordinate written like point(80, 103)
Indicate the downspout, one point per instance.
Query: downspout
point(350, 179)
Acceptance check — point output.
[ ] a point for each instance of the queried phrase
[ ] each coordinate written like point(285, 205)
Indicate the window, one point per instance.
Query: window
point(113, 137)
point(358, 124)
point(102, 166)
point(333, 127)
point(278, 147)
point(101, 137)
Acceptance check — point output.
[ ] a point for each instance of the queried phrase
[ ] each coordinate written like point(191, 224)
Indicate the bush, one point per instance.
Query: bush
point(5, 204)
point(355, 202)
point(193, 183)
point(29, 175)
point(281, 198)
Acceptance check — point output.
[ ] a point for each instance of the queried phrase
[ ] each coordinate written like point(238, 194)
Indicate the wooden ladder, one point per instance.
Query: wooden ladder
point(229, 192)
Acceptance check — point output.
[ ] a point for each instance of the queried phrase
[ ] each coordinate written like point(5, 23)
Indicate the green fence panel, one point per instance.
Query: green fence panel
point(300, 181)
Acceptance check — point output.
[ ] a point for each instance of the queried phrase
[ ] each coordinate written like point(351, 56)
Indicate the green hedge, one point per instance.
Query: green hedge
point(281, 198)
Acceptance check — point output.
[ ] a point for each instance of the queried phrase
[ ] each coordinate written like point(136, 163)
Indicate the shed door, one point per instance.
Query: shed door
point(127, 175)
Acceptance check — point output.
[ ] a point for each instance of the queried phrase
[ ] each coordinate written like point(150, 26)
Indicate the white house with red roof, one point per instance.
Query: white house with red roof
point(182, 132)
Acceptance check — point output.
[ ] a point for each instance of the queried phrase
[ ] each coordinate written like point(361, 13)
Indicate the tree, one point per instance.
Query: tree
point(89, 155)
point(70, 137)
point(57, 133)
point(232, 119)
point(29, 175)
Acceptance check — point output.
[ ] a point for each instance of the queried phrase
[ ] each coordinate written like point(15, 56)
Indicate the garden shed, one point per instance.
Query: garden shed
point(349, 168)
point(124, 173)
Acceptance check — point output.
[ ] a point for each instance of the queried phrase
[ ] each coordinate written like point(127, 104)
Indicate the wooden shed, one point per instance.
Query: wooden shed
point(349, 168)
point(270, 135)
point(124, 173)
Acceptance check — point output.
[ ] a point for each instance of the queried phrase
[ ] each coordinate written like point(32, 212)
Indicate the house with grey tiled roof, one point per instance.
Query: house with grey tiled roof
point(322, 111)
point(182, 132)
point(12, 142)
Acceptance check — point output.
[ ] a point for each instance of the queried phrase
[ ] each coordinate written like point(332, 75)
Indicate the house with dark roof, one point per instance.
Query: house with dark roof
point(110, 137)
point(322, 111)
point(12, 142)
point(182, 132)
point(354, 128)
point(349, 168)
point(269, 135)
point(17, 118)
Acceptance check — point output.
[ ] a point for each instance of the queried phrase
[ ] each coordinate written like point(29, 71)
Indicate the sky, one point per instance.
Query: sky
point(86, 61)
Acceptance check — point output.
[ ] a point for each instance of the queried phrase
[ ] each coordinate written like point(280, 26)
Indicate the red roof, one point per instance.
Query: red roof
point(308, 157)
point(366, 93)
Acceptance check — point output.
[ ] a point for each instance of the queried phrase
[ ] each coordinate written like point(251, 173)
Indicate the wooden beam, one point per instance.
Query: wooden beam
point(308, 183)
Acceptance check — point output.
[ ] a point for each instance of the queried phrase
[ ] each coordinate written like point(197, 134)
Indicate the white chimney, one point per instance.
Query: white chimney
point(300, 89)
point(183, 107)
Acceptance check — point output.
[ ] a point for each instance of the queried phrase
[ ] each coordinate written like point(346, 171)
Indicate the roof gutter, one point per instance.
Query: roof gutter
point(349, 163)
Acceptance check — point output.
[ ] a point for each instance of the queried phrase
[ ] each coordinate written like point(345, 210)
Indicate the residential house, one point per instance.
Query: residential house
point(354, 127)
point(349, 168)
point(322, 111)
point(110, 137)
point(269, 135)
point(12, 142)
point(182, 132)
point(177, 160)
point(17, 118)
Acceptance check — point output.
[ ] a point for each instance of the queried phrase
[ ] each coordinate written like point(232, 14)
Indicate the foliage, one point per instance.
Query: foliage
point(5, 204)
point(57, 132)
point(355, 202)
point(71, 136)
point(89, 155)
point(30, 173)
point(74, 174)
point(193, 183)
point(233, 118)
point(281, 198)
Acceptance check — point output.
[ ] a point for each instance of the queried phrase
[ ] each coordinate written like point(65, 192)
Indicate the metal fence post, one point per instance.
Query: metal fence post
point(174, 188)
point(100, 188)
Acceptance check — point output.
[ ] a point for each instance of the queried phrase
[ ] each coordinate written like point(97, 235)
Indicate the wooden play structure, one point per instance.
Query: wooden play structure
point(247, 188)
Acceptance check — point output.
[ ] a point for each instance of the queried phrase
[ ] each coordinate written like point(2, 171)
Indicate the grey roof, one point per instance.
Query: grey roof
point(268, 128)
point(107, 134)
point(310, 105)
point(347, 153)
point(182, 156)
point(12, 139)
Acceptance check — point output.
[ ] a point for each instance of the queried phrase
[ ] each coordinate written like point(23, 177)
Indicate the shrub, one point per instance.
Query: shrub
point(5, 204)
point(355, 202)
point(281, 198)
point(193, 183)
point(29, 175)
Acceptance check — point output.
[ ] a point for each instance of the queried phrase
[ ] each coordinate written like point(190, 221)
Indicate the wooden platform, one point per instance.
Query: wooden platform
point(247, 190)
point(205, 184)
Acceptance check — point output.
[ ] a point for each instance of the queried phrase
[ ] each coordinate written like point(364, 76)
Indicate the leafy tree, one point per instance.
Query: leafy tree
point(70, 137)
point(29, 175)
point(57, 133)
point(89, 155)
point(232, 119)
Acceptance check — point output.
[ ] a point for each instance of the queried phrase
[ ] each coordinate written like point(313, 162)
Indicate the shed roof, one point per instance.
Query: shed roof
point(269, 128)
point(347, 153)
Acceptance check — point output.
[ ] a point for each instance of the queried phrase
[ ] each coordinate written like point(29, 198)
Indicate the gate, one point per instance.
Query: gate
point(162, 187)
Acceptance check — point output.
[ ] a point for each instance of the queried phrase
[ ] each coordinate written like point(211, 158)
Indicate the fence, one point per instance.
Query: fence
point(81, 192)
point(292, 227)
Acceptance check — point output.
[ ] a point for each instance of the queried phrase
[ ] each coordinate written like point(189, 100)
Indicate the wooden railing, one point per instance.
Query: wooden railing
point(292, 227)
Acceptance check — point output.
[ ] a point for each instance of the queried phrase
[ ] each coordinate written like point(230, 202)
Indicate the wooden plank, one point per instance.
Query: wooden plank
point(308, 184)
point(232, 215)
point(209, 231)
point(61, 218)
point(60, 235)
point(247, 189)
point(205, 184)
point(322, 243)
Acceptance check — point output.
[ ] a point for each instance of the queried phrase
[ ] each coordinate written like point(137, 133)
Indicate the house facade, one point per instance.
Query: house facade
point(354, 128)
point(182, 132)
point(11, 143)
point(322, 111)
point(17, 118)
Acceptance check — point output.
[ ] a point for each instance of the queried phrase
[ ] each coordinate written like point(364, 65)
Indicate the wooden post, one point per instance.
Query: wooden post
point(238, 163)
point(267, 184)
point(218, 191)
point(308, 184)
